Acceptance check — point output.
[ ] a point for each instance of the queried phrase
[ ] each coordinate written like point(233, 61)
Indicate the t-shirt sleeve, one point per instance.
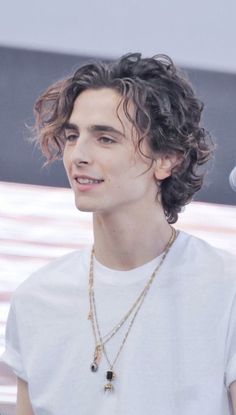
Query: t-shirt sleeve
point(230, 369)
point(12, 355)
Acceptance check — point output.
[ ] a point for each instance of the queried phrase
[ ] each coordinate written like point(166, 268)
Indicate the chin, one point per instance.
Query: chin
point(91, 206)
point(84, 207)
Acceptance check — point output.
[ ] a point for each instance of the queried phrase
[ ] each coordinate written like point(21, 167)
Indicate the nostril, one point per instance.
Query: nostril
point(82, 162)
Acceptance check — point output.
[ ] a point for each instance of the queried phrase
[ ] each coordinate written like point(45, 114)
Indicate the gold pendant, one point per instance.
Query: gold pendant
point(109, 387)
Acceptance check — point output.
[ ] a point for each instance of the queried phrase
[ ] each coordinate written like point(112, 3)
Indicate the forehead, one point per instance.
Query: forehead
point(96, 106)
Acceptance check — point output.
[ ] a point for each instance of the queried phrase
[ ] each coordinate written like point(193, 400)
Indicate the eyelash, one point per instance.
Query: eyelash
point(108, 140)
point(104, 139)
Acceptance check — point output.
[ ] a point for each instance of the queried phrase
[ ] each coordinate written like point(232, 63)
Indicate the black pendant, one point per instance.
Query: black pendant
point(110, 375)
point(94, 367)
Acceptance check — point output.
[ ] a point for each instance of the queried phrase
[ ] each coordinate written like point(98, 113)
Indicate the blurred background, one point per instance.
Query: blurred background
point(41, 42)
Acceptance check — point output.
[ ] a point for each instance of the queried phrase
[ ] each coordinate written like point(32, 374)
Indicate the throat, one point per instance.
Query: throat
point(125, 248)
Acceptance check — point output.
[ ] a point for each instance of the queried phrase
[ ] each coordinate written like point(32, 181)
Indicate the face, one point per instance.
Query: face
point(105, 170)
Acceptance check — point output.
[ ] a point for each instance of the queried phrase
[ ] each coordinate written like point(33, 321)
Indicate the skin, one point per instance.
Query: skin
point(23, 405)
point(232, 390)
point(124, 206)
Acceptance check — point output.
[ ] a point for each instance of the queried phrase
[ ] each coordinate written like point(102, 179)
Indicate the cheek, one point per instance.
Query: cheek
point(66, 160)
point(67, 167)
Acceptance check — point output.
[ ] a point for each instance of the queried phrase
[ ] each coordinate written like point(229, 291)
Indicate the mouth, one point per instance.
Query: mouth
point(86, 183)
point(83, 180)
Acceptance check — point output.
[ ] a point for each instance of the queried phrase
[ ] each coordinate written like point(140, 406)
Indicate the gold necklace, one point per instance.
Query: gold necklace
point(100, 340)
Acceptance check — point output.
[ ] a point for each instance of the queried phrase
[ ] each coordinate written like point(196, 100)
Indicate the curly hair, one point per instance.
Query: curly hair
point(166, 113)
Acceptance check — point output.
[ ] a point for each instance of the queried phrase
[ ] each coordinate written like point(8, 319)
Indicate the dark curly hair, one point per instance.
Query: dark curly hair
point(167, 114)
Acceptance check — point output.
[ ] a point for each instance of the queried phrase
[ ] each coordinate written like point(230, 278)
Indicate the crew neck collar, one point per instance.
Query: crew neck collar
point(111, 276)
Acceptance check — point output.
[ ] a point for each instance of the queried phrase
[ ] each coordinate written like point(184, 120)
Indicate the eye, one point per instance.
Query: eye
point(106, 140)
point(71, 137)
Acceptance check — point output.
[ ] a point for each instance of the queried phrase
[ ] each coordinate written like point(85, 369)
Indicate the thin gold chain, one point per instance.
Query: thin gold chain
point(139, 300)
point(100, 345)
point(112, 332)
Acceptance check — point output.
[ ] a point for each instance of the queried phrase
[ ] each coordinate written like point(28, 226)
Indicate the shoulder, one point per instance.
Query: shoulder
point(60, 275)
point(198, 256)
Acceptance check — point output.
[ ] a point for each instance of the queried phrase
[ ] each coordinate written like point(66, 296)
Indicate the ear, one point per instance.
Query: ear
point(165, 163)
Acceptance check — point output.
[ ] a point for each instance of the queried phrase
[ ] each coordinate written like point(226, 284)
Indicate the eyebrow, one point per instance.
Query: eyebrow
point(94, 128)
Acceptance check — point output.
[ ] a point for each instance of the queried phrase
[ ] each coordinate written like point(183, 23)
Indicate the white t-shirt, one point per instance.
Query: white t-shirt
point(179, 358)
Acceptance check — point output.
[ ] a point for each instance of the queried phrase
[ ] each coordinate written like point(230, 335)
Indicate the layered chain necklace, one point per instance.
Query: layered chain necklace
point(101, 341)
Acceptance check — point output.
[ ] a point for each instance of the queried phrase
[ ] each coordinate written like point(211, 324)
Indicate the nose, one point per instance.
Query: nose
point(82, 151)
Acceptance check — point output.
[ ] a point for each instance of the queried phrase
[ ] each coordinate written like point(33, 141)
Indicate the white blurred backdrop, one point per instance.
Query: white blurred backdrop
point(198, 34)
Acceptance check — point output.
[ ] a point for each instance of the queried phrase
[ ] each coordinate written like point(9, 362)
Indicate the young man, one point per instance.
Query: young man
point(145, 321)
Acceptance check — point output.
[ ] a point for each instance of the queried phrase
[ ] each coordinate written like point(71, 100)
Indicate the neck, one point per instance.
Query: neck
point(124, 241)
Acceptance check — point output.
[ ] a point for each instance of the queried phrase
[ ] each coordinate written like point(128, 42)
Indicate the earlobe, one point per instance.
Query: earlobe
point(162, 170)
point(165, 164)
